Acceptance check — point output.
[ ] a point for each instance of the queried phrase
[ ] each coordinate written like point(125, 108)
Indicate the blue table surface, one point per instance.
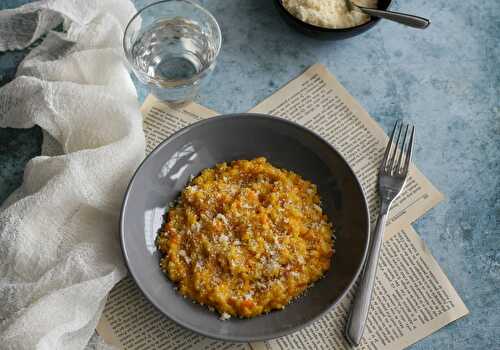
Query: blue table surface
point(445, 80)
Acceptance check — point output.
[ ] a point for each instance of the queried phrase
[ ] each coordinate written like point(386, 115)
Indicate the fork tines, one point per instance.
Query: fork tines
point(404, 149)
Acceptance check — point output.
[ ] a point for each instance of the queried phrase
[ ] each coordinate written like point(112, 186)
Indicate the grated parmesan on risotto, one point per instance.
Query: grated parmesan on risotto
point(329, 13)
point(246, 238)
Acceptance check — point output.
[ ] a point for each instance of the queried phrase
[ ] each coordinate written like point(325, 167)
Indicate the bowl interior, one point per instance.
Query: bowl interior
point(163, 175)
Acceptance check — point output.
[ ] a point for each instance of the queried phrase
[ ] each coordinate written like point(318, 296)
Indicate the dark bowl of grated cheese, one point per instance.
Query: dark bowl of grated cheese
point(325, 33)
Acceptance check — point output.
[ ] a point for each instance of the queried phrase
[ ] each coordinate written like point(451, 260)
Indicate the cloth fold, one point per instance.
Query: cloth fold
point(59, 245)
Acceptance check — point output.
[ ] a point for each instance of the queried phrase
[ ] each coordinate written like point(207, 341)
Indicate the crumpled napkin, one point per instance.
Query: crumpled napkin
point(59, 245)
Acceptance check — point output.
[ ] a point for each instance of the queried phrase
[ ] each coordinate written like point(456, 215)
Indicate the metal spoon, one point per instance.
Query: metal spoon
point(403, 18)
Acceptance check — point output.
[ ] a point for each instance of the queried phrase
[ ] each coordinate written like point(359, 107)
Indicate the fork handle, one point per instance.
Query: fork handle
point(361, 304)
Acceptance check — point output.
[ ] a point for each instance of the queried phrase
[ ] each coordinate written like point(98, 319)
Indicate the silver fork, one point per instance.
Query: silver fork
point(392, 177)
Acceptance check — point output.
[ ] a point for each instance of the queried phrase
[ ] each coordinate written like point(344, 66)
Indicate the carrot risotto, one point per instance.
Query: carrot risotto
point(246, 238)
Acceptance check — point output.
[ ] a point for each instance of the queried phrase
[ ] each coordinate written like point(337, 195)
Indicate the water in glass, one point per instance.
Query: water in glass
point(172, 47)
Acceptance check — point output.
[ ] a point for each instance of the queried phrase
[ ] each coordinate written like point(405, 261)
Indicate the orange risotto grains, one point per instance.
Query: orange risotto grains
point(246, 238)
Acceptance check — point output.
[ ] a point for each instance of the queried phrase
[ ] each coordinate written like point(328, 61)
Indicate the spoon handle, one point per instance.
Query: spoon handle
point(403, 18)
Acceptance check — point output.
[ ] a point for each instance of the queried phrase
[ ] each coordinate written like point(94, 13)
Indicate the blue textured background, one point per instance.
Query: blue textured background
point(445, 80)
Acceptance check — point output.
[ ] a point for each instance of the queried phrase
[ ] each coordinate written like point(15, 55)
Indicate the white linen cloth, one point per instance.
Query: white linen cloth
point(59, 245)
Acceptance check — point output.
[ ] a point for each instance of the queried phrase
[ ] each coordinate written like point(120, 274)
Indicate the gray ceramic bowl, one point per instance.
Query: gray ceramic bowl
point(164, 173)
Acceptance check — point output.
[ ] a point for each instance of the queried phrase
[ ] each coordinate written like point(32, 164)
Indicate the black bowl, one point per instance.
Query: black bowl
point(328, 33)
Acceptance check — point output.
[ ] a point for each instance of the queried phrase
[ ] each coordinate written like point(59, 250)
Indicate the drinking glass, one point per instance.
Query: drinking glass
point(172, 46)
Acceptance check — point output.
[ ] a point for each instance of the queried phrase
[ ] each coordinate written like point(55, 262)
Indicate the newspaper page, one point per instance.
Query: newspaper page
point(413, 297)
point(316, 100)
point(129, 321)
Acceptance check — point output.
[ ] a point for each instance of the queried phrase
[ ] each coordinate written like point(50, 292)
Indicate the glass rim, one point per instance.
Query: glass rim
point(192, 3)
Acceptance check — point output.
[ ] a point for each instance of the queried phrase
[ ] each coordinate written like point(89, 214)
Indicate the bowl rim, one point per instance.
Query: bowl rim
point(231, 338)
point(312, 27)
